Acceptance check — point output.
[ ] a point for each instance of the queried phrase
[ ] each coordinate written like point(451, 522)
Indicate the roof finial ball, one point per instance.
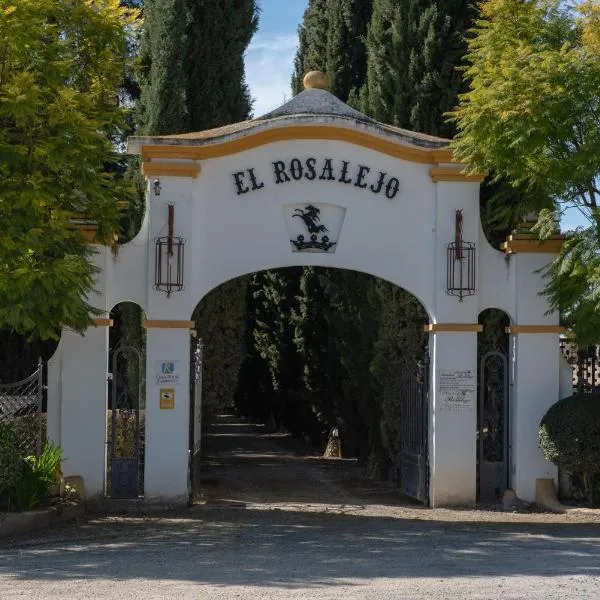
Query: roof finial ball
point(315, 80)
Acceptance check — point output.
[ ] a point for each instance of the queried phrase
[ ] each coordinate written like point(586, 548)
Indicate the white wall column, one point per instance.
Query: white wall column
point(453, 414)
point(54, 407)
point(84, 361)
point(167, 411)
point(535, 373)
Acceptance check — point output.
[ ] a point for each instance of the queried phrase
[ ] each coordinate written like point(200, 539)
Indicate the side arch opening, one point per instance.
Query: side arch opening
point(126, 404)
point(493, 407)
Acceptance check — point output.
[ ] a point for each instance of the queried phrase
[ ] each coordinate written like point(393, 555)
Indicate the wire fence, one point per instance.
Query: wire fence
point(21, 410)
point(585, 363)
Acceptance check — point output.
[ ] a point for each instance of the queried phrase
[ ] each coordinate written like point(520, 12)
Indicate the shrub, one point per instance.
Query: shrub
point(570, 435)
point(27, 480)
point(12, 465)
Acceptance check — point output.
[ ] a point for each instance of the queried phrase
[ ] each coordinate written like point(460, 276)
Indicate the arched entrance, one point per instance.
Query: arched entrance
point(309, 350)
point(315, 183)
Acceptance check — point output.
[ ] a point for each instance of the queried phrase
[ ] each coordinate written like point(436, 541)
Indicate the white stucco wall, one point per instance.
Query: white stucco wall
point(403, 240)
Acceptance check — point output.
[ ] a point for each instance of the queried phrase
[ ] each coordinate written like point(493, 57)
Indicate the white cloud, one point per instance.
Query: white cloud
point(269, 64)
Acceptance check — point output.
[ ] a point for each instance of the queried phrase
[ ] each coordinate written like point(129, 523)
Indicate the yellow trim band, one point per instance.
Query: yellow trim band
point(300, 132)
point(446, 174)
point(152, 169)
point(103, 322)
point(454, 328)
point(554, 329)
point(169, 324)
point(530, 243)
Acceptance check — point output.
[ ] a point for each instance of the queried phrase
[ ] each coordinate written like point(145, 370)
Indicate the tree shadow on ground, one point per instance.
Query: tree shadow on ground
point(290, 549)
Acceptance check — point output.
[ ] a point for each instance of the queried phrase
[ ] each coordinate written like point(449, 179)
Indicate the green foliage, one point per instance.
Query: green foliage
point(220, 323)
point(62, 65)
point(26, 480)
point(331, 39)
point(532, 111)
point(12, 465)
point(532, 117)
point(192, 64)
point(570, 434)
point(413, 50)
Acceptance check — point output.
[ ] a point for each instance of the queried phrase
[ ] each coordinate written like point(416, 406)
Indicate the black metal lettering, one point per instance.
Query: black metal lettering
point(382, 177)
point(310, 167)
point(239, 183)
point(343, 177)
point(392, 187)
point(327, 168)
point(255, 184)
point(360, 176)
point(296, 169)
point(280, 174)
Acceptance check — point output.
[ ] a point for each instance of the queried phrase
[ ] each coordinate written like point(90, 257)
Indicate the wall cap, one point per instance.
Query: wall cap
point(166, 324)
point(453, 328)
point(555, 329)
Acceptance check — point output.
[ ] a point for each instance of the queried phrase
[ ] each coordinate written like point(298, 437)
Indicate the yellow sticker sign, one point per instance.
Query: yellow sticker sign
point(167, 398)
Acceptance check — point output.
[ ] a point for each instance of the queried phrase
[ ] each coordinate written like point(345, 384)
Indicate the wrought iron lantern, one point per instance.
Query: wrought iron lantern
point(460, 263)
point(168, 265)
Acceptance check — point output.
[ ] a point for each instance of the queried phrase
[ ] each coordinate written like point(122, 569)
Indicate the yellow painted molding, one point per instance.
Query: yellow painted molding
point(454, 328)
point(555, 329)
point(300, 132)
point(103, 322)
point(450, 174)
point(169, 324)
point(443, 155)
point(530, 243)
point(172, 169)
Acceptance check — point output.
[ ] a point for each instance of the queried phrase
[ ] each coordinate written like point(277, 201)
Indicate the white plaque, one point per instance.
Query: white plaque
point(457, 390)
point(166, 372)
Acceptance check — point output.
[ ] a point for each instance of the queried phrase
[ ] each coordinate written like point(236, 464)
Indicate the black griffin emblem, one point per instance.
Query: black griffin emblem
point(310, 217)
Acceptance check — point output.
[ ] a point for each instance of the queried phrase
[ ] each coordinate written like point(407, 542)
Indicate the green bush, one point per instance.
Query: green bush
point(12, 465)
point(26, 480)
point(570, 435)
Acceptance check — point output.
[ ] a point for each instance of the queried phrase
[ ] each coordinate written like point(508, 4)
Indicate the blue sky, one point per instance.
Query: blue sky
point(270, 57)
point(269, 64)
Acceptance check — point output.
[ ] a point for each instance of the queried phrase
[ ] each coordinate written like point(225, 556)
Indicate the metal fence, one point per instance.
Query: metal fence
point(21, 409)
point(585, 364)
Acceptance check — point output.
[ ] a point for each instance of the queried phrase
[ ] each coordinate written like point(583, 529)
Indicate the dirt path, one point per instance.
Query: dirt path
point(247, 466)
point(279, 525)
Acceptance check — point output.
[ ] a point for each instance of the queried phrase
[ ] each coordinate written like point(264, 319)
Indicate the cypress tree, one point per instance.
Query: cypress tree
point(193, 64)
point(162, 107)
point(312, 43)
point(413, 50)
point(331, 39)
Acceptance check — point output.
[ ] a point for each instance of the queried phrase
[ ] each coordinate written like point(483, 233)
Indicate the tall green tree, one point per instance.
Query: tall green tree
point(331, 39)
point(312, 43)
point(193, 64)
point(414, 48)
point(532, 116)
point(62, 66)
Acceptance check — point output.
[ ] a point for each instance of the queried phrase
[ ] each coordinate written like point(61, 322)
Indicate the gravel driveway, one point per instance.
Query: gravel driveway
point(331, 545)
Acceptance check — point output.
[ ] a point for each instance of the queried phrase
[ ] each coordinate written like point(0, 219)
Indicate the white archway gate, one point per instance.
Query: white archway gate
point(313, 183)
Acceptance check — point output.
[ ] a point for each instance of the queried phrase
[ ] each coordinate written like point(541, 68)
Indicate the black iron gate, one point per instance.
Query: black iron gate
point(493, 442)
point(197, 355)
point(125, 439)
point(413, 473)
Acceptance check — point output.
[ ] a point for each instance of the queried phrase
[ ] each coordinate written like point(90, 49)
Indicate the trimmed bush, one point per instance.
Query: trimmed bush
point(12, 465)
point(570, 435)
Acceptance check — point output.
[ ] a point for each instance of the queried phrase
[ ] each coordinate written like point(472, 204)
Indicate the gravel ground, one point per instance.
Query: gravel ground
point(275, 524)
